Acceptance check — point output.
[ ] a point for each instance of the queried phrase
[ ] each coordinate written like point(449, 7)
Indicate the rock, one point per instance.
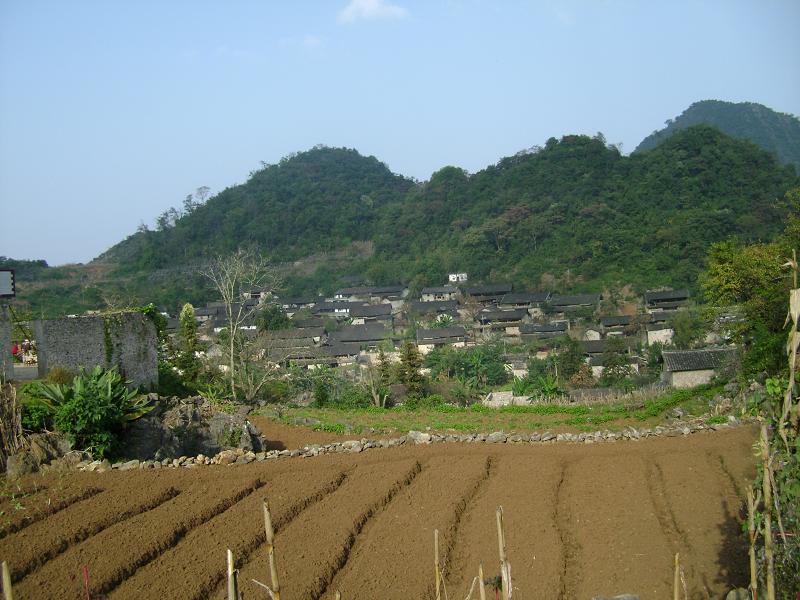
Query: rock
point(21, 464)
point(547, 436)
point(227, 457)
point(497, 437)
point(354, 446)
point(620, 597)
point(419, 437)
point(738, 594)
point(731, 388)
point(127, 466)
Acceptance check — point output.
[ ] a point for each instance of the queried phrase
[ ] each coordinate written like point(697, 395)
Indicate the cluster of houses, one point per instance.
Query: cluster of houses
point(355, 322)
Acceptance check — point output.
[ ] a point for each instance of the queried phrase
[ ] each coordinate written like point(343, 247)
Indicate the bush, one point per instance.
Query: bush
point(415, 402)
point(36, 416)
point(92, 412)
point(60, 375)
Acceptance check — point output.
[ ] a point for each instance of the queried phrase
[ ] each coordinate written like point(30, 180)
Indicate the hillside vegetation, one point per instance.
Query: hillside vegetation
point(572, 215)
point(775, 132)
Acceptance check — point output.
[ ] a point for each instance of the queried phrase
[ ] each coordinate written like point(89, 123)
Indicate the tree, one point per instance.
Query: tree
point(410, 363)
point(272, 318)
point(188, 344)
point(615, 362)
point(233, 277)
point(688, 328)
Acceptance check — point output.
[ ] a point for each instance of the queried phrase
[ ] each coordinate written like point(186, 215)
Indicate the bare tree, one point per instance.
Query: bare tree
point(235, 277)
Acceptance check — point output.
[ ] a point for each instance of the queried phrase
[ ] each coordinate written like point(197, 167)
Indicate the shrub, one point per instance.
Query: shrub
point(416, 402)
point(92, 412)
point(60, 375)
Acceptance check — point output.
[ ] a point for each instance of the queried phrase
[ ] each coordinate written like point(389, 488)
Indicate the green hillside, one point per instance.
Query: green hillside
point(775, 132)
point(573, 215)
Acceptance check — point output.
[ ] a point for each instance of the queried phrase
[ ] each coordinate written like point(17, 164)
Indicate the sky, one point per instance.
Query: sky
point(112, 111)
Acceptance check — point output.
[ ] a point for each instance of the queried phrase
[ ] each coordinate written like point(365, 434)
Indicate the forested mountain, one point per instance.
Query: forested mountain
point(572, 215)
point(775, 132)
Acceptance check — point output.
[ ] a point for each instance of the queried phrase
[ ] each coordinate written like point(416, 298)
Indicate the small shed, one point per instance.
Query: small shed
point(689, 368)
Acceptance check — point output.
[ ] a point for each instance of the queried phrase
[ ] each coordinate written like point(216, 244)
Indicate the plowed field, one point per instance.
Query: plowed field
point(581, 520)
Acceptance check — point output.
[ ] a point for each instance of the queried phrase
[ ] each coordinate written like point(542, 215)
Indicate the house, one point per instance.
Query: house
point(688, 368)
point(488, 293)
point(597, 365)
point(296, 337)
point(290, 305)
point(598, 347)
point(428, 339)
point(443, 307)
point(336, 309)
point(371, 313)
point(508, 321)
point(561, 303)
point(536, 332)
point(530, 301)
point(665, 300)
point(370, 293)
point(659, 333)
point(457, 277)
point(310, 322)
point(367, 336)
point(437, 294)
point(516, 365)
point(331, 355)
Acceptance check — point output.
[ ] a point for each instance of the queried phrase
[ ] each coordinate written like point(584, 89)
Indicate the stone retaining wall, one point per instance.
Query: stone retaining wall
point(240, 456)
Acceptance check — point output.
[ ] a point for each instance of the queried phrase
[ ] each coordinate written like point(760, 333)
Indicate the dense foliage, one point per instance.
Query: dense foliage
point(573, 215)
point(775, 132)
point(92, 411)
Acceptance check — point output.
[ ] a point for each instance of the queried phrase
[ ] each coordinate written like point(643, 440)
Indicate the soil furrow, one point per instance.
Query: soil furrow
point(403, 533)
point(570, 567)
point(48, 509)
point(311, 548)
point(119, 551)
point(358, 526)
point(241, 529)
point(46, 539)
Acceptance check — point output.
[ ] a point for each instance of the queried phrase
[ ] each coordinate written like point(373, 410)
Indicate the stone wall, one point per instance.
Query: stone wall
point(126, 340)
point(6, 364)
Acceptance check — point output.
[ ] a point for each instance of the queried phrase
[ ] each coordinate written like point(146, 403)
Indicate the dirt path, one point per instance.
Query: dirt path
point(581, 520)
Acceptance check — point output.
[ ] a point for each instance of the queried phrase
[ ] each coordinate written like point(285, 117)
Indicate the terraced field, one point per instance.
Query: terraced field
point(581, 520)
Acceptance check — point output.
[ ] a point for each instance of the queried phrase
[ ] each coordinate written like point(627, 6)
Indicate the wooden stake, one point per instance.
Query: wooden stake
point(7, 593)
point(767, 491)
point(273, 568)
point(338, 595)
point(676, 579)
point(436, 564)
point(751, 531)
point(481, 585)
point(233, 584)
point(505, 579)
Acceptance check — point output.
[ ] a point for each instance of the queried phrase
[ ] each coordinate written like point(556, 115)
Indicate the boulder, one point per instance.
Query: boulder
point(21, 463)
point(418, 437)
point(188, 427)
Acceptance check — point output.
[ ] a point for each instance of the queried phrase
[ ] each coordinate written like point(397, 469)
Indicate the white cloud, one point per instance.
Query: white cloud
point(370, 10)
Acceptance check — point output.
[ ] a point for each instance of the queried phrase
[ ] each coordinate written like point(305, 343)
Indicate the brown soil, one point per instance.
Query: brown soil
point(289, 437)
point(581, 520)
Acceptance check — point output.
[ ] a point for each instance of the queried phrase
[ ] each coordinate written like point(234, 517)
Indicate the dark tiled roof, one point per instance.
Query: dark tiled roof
point(445, 289)
point(525, 298)
point(616, 321)
point(533, 328)
point(312, 322)
point(360, 333)
point(662, 316)
point(575, 300)
point(497, 289)
point(599, 346)
point(435, 306)
point(297, 333)
point(333, 306)
point(666, 296)
point(698, 360)
point(376, 310)
point(328, 351)
point(488, 316)
point(298, 301)
point(440, 333)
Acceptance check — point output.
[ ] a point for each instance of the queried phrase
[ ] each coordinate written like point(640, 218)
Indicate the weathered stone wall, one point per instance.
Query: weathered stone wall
point(126, 340)
point(687, 379)
point(6, 364)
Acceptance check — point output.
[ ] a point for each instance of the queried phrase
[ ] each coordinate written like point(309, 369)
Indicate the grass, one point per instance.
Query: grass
point(479, 418)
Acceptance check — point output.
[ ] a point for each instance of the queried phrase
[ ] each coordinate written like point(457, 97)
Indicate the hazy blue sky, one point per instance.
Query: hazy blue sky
point(111, 112)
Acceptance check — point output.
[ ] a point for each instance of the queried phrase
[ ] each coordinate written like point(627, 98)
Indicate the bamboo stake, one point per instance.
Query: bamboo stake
point(751, 531)
point(676, 579)
point(767, 490)
point(505, 580)
point(7, 593)
point(481, 585)
point(273, 568)
point(233, 584)
point(338, 595)
point(436, 564)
